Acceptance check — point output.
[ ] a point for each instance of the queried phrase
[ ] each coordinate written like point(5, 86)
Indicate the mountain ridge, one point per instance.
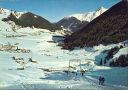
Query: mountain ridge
point(28, 19)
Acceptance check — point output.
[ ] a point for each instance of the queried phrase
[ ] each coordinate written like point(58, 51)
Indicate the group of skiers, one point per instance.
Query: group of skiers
point(101, 80)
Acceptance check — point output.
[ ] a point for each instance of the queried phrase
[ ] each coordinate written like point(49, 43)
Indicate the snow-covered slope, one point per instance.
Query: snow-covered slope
point(4, 13)
point(89, 16)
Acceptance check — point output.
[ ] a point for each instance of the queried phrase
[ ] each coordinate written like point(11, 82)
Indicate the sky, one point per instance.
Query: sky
point(54, 10)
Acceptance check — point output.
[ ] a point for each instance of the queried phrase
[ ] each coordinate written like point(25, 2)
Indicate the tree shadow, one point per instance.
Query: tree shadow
point(63, 76)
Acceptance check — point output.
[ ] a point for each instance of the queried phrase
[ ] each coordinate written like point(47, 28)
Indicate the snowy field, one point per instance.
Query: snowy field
point(50, 63)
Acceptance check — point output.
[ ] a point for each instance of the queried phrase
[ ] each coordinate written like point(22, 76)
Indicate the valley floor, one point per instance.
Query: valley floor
point(48, 72)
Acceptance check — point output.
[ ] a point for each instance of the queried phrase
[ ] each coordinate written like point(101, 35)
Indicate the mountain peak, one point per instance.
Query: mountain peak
point(101, 8)
point(17, 14)
point(88, 16)
point(4, 11)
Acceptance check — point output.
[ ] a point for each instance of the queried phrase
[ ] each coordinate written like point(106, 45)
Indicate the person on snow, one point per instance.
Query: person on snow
point(101, 80)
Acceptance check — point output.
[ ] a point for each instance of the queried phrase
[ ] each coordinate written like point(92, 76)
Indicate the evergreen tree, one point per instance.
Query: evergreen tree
point(101, 62)
point(105, 61)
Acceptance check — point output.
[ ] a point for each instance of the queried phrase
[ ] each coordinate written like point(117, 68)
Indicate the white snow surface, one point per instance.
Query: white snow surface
point(52, 61)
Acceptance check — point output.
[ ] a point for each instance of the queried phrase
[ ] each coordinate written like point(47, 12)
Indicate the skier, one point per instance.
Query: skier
point(100, 80)
point(30, 60)
point(82, 73)
point(76, 73)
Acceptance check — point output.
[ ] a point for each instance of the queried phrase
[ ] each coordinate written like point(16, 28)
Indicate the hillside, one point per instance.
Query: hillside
point(72, 24)
point(109, 28)
point(31, 20)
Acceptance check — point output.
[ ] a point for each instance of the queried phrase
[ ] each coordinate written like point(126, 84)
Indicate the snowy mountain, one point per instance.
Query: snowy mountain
point(90, 15)
point(28, 19)
point(77, 21)
point(71, 24)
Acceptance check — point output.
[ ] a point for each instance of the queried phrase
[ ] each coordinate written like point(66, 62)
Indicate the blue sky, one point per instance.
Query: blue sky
point(54, 10)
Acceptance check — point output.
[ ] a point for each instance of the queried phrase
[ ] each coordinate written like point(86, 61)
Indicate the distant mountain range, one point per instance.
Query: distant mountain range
point(109, 28)
point(70, 23)
point(28, 19)
point(75, 22)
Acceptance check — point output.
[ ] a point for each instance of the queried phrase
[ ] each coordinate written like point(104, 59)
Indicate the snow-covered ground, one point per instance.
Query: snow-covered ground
point(51, 63)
